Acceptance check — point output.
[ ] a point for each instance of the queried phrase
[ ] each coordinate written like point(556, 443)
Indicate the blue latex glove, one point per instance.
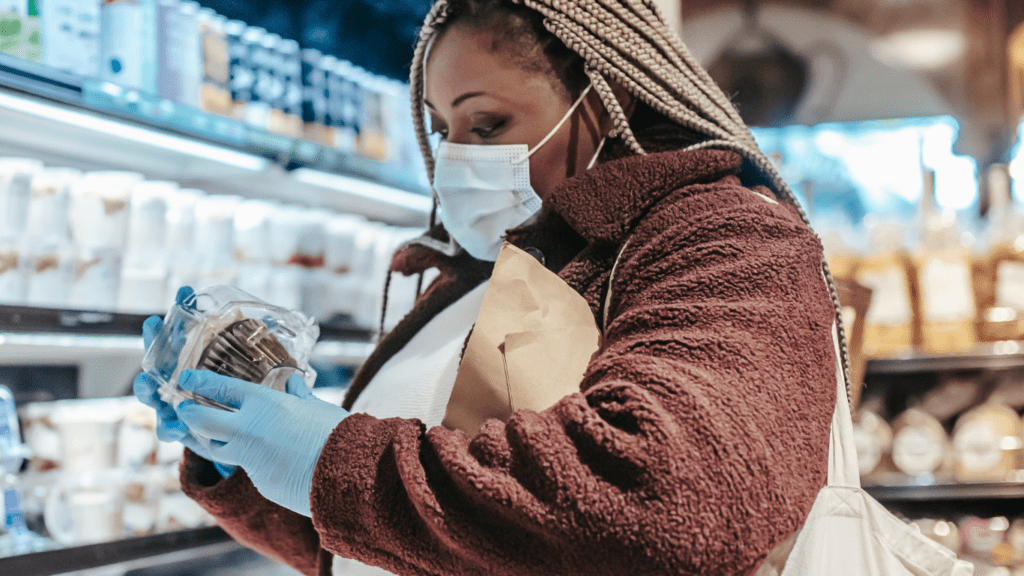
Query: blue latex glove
point(169, 428)
point(275, 437)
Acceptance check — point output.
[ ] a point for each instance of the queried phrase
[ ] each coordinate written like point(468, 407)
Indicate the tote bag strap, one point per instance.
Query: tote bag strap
point(611, 284)
point(842, 448)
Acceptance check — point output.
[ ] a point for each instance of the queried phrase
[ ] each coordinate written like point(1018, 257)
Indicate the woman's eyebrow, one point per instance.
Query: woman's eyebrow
point(457, 101)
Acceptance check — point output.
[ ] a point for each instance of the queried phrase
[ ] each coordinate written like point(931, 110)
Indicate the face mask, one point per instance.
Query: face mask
point(485, 190)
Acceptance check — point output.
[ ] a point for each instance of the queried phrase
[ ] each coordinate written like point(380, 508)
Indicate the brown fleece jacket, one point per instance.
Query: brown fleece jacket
point(698, 440)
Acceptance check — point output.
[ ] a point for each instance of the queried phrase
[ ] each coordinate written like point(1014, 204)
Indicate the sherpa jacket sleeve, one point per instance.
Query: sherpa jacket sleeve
point(698, 442)
point(251, 519)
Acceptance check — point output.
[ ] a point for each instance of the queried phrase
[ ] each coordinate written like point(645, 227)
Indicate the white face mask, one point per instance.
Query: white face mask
point(485, 190)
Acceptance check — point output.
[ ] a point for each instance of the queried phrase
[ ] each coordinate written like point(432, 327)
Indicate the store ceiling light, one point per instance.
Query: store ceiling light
point(364, 189)
point(920, 49)
point(132, 133)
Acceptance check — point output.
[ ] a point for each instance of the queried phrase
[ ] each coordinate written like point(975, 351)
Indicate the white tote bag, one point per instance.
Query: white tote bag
point(848, 533)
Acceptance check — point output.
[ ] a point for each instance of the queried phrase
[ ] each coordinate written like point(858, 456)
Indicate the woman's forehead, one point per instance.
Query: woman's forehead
point(464, 61)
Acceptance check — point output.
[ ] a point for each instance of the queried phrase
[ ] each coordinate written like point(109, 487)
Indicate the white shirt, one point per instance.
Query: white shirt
point(417, 383)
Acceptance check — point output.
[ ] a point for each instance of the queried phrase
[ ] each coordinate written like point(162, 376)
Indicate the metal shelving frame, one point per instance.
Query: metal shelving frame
point(990, 356)
point(198, 542)
point(85, 123)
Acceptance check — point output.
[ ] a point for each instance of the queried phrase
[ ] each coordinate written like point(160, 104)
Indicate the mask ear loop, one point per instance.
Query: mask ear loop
point(558, 126)
point(598, 153)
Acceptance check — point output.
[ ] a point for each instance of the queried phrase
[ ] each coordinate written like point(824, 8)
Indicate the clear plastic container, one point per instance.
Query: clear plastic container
point(48, 208)
point(100, 207)
point(228, 331)
point(16, 176)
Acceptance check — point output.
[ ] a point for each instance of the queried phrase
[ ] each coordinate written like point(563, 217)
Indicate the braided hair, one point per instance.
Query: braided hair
point(622, 41)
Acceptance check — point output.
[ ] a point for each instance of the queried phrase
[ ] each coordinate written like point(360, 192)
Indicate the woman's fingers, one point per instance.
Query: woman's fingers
point(184, 293)
point(201, 450)
point(147, 390)
point(169, 427)
point(230, 392)
point(208, 422)
point(150, 328)
point(296, 386)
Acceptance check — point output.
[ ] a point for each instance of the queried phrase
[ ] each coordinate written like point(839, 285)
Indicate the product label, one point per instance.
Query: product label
point(915, 451)
point(849, 316)
point(1010, 285)
point(20, 31)
point(71, 36)
point(890, 298)
point(977, 447)
point(946, 294)
point(129, 44)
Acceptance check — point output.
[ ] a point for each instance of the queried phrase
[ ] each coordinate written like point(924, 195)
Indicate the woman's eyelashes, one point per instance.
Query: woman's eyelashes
point(481, 129)
point(489, 130)
point(439, 128)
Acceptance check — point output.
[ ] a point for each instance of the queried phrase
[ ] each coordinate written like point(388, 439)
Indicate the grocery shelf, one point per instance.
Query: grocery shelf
point(89, 124)
point(107, 347)
point(947, 492)
point(198, 542)
point(990, 356)
point(38, 79)
point(58, 322)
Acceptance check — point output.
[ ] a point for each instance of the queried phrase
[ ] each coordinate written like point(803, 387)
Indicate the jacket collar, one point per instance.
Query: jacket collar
point(603, 204)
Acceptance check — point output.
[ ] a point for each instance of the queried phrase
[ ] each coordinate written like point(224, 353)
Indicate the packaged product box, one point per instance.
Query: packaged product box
point(71, 36)
point(1000, 324)
point(20, 30)
point(373, 141)
point(286, 112)
point(941, 531)
point(920, 444)
point(1005, 264)
point(239, 67)
point(343, 104)
point(180, 56)
point(215, 90)
point(265, 90)
point(987, 444)
point(128, 43)
point(314, 96)
point(955, 393)
point(889, 323)
point(985, 540)
point(948, 310)
point(874, 440)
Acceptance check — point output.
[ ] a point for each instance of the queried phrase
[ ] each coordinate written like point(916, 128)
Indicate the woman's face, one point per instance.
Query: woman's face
point(476, 93)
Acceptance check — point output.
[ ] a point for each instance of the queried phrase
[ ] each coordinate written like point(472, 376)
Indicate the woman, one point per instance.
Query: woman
point(699, 437)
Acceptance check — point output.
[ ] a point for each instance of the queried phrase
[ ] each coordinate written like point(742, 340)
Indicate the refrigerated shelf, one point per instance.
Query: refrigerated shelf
point(107, 347)
point(197, 542)
point(989, 356)
point(948, 492)
point(88, 124)
point(58, 322)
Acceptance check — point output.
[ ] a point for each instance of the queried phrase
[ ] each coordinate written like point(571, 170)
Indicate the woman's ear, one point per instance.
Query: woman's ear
point(626, 100)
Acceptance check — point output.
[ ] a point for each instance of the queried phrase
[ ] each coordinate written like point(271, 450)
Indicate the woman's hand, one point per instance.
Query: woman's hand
point(169, 428)
point(275, 437)
point(146, 387)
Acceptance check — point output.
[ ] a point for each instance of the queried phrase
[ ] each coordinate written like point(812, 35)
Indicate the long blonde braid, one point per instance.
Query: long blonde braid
point(627, 42)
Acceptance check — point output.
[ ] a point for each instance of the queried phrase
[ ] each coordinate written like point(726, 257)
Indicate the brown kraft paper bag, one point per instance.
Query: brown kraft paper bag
point(532, 343)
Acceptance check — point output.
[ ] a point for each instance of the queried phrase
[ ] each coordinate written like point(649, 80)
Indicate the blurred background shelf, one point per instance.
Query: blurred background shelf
point(33, 320)
point(952, 500)
point(89, 124)
point(963, 493)
point(200, 544)
point(101, 351)
point(986, 356)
